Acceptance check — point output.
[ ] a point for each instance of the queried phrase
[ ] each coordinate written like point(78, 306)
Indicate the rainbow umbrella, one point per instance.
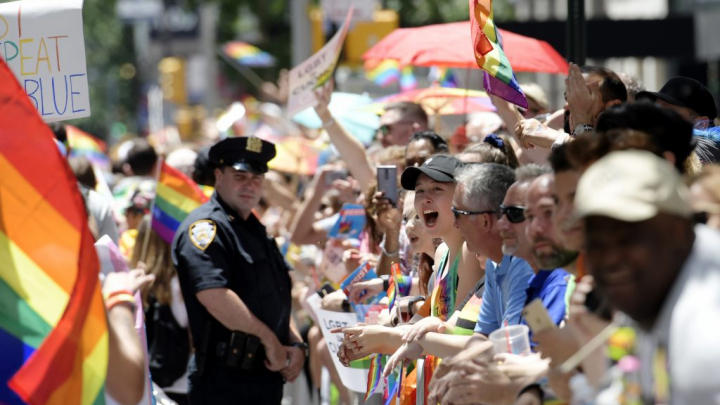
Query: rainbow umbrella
point(248, 55)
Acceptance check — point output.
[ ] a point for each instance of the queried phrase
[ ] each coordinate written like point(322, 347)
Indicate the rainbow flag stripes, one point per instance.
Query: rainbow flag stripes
point(407, 79)
point(248, 55)
point(498, 77)
point(176, 196)
point(374, 375)
point(384, 73)
point(53, 330)
point(83, 144)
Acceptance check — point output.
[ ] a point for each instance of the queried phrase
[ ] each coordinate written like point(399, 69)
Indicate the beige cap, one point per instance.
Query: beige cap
point(631, 186)
point(535, 92)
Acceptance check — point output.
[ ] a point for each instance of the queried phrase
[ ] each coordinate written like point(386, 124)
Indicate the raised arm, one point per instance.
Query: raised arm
point(351, 150)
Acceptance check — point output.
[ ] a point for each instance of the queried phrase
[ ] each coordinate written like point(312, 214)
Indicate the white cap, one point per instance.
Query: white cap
point(631, 186)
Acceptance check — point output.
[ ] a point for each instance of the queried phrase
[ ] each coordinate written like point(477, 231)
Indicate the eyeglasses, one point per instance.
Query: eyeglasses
point(700, 217)
point(387, 128)
point(515, 214)
point(458, 212)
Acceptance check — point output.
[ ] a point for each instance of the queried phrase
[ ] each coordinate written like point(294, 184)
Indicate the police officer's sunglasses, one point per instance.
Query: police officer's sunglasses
point(515, 214)
point(458, 212)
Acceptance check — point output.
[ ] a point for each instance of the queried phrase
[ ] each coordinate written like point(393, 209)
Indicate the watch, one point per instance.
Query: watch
point(581, 129)
point(412, 302)
point(303, 346)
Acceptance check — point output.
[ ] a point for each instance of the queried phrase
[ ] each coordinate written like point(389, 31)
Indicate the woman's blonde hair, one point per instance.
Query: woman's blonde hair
point(158, 261)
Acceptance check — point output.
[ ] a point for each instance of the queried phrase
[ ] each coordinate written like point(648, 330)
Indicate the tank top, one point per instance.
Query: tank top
point(445, 292)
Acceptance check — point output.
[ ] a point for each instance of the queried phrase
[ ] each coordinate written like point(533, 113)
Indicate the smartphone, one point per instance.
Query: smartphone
point(387, 182)
point(537, 317)
point(598, 304)
point(336, 175)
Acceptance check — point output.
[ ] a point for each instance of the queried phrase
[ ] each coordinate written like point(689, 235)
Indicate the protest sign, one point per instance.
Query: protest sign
point(332, 265)
point(314, 72)
point(43, 44)
point(355, 376)
point(350, 223)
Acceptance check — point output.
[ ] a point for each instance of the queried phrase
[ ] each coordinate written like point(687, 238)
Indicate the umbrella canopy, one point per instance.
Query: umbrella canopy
point(296, 155)
point(428, 46)
point(361, 123)
point(440, 101)
point(248, 55)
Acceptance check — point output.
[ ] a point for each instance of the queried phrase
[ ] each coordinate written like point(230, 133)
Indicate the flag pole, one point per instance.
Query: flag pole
point(146, 238)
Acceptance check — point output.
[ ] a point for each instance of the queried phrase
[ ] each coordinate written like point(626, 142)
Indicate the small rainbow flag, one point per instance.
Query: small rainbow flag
point(374, 375)
point(83, 144)
point(391, 293)
point(176, 196)
point(498, 76)
point(445, 77)
point(399, 285)
point(248, 55)
point(407, 79)
point(53, 328)
point(383, 73)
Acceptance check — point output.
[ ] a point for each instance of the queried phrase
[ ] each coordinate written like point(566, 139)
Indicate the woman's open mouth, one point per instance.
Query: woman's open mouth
point(430, 218)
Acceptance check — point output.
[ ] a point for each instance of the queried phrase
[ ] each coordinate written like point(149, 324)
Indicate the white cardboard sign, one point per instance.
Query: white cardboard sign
point(43, 44)
point(353, 378)
point(315, 71)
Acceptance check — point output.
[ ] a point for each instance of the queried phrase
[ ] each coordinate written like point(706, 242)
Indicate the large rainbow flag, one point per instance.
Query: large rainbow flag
point(176, 197)
point(498, 77)
point(53, 329)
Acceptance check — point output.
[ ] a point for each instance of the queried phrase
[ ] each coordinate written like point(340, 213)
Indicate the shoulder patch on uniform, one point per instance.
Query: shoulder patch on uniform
point(202, 233)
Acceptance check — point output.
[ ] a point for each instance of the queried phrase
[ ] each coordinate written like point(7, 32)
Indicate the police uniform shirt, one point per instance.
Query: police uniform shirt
point(215, 248)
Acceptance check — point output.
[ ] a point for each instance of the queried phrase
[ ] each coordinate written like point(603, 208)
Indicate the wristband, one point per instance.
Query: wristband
point(412, 302)
point(117, 292)
point(328, 122)
point(120, 299)
point(388, 254)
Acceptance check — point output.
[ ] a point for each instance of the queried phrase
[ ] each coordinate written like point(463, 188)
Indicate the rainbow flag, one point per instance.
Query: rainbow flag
point(374, 375)
point(83, 144)
point(53, 328)
point(248, 55)
point(407, 79)
point(391, 293)
point(176, 196)
point(445, 77)
point(399, 285)
point(498, 76)
point(384, 73)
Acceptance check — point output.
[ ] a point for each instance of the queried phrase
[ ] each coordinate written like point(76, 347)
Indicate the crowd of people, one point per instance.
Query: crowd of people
point(592, 226)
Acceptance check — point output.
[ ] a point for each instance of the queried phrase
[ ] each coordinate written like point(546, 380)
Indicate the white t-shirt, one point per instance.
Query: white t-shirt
point(688, 326)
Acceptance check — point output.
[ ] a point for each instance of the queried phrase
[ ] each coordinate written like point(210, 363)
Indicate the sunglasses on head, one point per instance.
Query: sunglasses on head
point(515, 214)
point(457, 212)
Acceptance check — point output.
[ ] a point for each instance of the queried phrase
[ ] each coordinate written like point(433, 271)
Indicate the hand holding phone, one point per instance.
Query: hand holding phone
point(387, 183)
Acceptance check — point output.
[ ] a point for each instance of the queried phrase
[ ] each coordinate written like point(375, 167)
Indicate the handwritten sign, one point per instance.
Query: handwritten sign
point(314, 72)
point(43, 44)
point(355, 376)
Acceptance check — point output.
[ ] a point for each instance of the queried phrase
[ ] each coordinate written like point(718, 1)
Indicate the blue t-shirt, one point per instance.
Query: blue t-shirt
point(505, 293)
point(551, 286)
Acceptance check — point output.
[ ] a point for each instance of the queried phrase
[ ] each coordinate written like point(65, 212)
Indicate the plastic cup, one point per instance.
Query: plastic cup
point(511, 339)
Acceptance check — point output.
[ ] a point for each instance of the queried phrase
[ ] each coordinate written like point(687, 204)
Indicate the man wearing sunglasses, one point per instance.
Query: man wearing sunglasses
point(399, 122)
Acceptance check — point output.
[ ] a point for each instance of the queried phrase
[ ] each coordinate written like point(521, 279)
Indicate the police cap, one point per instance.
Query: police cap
point(248, 154)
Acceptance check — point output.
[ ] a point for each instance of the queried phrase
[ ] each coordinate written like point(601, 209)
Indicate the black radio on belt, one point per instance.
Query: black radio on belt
point(240, 352)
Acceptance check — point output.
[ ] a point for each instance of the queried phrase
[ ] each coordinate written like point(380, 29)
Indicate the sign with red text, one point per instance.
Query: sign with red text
point(43, 44)
point(314, 72)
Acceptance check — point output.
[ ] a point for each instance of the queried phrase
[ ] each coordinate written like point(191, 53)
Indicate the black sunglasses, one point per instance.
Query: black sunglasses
point(700, 217)
point(515, 214)
point(458, 212)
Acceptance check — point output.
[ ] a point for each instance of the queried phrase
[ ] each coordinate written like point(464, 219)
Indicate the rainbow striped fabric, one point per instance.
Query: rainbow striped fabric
point(53, 328)
point(445, 77)
point(498, 77)
point(176, 196)
point(248, 55)
point(83, 144)
point(374, 375)
point(384, 73)
point(407, 79)
point(399, 285)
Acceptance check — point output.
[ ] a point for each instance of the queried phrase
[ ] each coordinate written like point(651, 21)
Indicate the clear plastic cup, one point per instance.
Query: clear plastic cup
point(511, 339)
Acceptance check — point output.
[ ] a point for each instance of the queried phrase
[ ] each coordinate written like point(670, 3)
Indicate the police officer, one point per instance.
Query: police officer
point(236, 287)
